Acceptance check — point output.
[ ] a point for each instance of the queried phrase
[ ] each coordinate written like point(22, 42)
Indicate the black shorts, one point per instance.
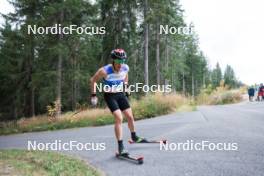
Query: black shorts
point(116, 101)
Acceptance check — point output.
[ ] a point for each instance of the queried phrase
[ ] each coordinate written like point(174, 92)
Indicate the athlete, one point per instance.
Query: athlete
point(115, 77)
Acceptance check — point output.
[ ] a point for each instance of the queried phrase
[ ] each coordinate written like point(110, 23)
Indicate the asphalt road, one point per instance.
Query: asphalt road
point(240, 125)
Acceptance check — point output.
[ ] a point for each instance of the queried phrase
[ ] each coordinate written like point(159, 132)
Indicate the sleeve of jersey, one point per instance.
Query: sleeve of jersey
point(127, 68)
point(107, 69)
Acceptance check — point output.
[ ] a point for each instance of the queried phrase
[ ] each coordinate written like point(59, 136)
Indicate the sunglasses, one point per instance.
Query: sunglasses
point(120, 61)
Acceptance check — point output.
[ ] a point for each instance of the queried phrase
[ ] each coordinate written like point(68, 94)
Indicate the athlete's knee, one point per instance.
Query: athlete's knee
point(118, 120)
point(130, 117)
point(128, 113)
point(118, 117)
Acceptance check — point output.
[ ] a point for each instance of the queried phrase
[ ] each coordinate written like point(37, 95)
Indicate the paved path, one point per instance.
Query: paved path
point(240, 123)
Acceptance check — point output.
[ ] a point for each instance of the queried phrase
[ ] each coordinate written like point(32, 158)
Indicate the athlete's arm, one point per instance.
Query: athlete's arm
point(126, 80)
point(127, 91)
point(96, 77)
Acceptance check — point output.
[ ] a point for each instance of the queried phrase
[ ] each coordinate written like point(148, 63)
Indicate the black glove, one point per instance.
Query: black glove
point(94, 99)
point(127, 94)
point(127, 91)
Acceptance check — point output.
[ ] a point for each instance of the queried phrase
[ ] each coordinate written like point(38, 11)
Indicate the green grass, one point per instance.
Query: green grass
point(64, 124)
point(44, 163)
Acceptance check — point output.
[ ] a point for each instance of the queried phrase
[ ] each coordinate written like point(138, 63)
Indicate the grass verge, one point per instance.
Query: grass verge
point(36, 163)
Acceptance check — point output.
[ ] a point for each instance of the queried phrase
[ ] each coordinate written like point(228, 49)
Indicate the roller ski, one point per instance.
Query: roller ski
point(145, 141)
point(127, 157)
point(124, 155)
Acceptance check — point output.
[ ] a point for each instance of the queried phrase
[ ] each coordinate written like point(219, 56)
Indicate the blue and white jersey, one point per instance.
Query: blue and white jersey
point(115, 80)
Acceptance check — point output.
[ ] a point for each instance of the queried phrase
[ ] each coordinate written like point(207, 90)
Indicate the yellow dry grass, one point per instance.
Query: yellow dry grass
point(148, 106)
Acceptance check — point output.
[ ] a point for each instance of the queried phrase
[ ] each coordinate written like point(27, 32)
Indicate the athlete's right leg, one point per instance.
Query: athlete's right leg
point(118, 124)
point(127, 111)
point(119, 132)
point(114, 108)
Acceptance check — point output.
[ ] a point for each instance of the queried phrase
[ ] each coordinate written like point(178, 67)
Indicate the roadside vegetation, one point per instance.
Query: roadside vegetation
point(220, 95)
point(147, 107)
point(22, 162)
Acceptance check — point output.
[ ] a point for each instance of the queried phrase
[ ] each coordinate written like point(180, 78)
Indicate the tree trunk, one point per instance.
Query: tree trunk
point(192, 85)
point(183, 83)
point(196, 87)
point(146, 74)
point(29, 102)
point(204, 81)
point(73, 92)
point(158, 54)
point(166, 59)
point(77, 84)
point(75, 79)
point(32, 56)
point(33, 102)
point(15, 113)
point(58, 100)
point(59, 73)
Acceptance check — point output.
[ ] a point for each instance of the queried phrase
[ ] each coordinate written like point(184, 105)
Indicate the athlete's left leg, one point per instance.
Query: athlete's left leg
point(130, 119)
point(127, 111)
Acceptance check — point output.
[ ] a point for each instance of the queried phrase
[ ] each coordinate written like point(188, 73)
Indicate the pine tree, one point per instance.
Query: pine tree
point(216, 76)
point(229, 77)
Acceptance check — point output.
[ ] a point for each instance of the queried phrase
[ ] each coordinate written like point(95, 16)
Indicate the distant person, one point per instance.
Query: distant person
point(251, 93)
point(261, 92)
